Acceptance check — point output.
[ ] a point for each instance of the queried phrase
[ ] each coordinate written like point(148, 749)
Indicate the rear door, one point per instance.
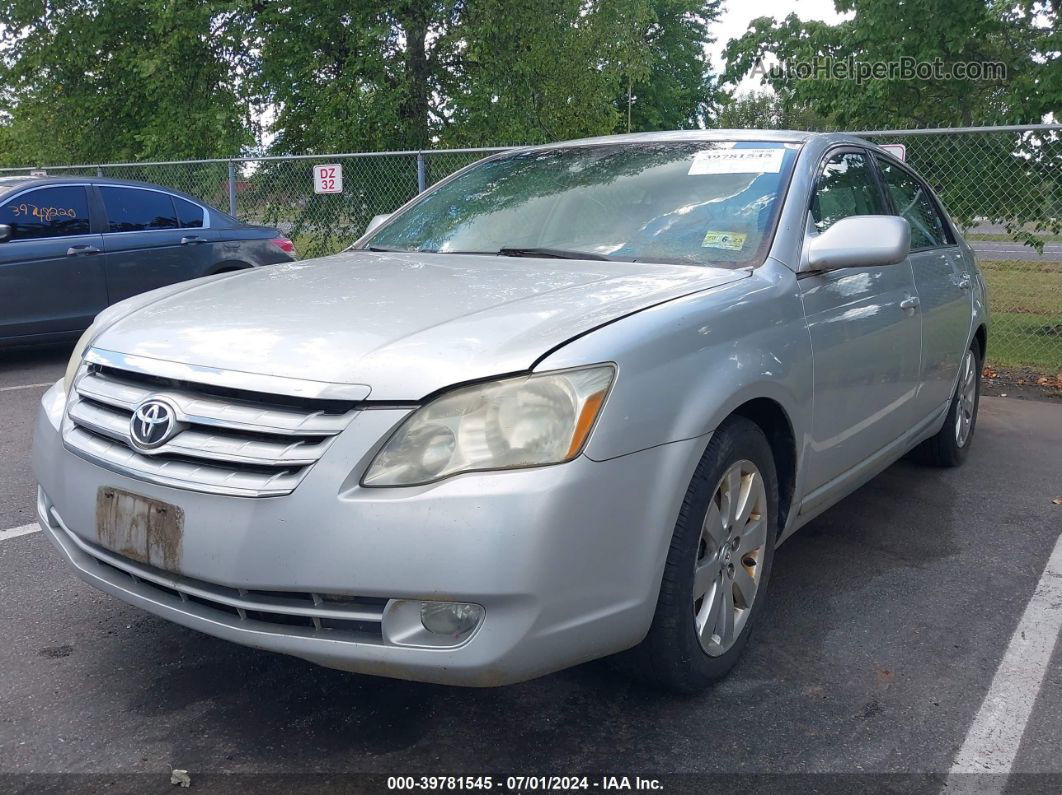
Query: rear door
point(210, 246)
point(145, 244)
point(865, 332)
point(942, 282)
point(51, 270)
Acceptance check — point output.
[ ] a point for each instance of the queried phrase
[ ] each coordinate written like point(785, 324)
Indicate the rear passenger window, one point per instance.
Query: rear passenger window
point(47, 212)
point(846, 187)
point(190, 215)
point(133, 210)
point(912, 200)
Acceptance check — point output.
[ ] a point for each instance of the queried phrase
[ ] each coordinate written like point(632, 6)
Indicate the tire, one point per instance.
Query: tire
point(673, 655)
point(951, 445)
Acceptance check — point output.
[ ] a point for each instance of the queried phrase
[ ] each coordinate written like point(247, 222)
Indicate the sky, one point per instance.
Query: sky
point(737, 14)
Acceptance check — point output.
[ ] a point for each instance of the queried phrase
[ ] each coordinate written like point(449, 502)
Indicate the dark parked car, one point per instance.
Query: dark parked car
point(69, 247)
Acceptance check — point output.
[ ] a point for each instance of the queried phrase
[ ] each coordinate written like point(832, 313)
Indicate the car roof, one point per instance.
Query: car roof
point(9, 184)
point(779, 136)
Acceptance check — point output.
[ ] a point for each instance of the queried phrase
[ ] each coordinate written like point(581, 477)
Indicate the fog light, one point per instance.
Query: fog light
point(440, 625)
point(450, 618)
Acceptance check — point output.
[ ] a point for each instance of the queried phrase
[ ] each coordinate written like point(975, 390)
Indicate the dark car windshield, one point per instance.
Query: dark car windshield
point(689, 202)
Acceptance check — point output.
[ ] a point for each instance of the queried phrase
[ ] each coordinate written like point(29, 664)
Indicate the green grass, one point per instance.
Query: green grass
point(1025, 300)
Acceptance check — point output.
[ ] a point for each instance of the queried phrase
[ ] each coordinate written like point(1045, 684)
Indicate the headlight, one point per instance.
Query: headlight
point(76, 357)
point(517, 422)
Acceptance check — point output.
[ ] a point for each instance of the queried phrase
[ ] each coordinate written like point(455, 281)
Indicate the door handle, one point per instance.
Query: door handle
point(77, 251)
point(909, 303)
point(964, 282)
point(187, 241)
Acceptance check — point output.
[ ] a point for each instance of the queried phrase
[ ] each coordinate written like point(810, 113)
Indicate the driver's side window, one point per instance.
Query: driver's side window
point(61, 211)
point(845, 187)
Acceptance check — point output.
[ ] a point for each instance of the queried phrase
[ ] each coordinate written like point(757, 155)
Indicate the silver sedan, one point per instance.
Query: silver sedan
point(563, 405)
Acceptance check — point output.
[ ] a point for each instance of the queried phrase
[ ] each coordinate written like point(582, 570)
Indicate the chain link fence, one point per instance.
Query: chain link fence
point(1002, 184)
point(1004, 187)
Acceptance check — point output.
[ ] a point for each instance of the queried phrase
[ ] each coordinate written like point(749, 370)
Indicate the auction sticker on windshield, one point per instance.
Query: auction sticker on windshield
point(737, 161)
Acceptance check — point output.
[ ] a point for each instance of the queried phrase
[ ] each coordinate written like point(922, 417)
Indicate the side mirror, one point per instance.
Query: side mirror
point(5, 233)
point(860, 241)
point(376, 221)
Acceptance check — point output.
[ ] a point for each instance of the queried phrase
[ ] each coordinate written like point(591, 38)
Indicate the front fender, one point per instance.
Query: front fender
point(684, 366)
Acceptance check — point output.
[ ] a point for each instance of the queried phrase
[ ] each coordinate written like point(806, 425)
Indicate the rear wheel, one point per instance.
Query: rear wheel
point(951, 445)
point(718, 564)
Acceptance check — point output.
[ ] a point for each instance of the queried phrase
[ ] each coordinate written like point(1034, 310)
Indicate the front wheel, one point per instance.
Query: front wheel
point(718, 564)
point(951, 445)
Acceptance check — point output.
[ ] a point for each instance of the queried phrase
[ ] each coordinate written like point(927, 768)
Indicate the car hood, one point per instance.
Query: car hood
point(405, 325)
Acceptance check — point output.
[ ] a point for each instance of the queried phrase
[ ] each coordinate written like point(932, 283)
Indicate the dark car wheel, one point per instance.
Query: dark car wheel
point(718, 564)
point(951, 445)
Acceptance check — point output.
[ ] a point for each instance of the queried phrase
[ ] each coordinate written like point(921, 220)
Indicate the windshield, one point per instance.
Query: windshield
point(690, 202)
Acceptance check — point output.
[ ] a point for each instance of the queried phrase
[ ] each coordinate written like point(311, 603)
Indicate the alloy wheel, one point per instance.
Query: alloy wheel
point(730, 555)
point(967, 399)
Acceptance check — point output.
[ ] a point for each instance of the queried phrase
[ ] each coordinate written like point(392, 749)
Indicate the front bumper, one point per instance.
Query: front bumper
point(565, 560)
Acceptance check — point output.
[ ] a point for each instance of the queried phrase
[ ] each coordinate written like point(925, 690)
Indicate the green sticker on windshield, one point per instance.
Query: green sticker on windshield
point(731, 241)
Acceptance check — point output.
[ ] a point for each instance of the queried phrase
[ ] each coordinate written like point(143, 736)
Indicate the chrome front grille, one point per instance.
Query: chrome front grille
point(232, 442)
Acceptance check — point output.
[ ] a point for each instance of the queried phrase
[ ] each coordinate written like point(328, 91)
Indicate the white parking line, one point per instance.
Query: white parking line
point(992, 742)
point(24, 386)
point(15, 532)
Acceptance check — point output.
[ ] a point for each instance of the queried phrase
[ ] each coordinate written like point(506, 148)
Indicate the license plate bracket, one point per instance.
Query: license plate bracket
point(142, 529)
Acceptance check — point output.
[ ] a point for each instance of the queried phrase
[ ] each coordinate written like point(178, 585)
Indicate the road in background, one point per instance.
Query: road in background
point(1011, 250)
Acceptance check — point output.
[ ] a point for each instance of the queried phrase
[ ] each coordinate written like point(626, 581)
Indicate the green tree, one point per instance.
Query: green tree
point(676, 89)
point(566, 69)
point(104, 80)
point(343, 76)
point(767, 110)
point(530, 73)
point(1023, 37)
point(474, 72)
point(121, 80)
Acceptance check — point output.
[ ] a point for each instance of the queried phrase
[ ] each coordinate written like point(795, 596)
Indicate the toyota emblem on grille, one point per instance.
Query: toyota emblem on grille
point(153, 423)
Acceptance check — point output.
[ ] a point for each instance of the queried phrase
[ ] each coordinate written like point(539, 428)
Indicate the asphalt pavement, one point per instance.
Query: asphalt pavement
point(887, 622)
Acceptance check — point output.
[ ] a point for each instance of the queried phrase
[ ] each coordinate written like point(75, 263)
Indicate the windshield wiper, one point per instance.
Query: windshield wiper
point(551, 253)
point(507, 251)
